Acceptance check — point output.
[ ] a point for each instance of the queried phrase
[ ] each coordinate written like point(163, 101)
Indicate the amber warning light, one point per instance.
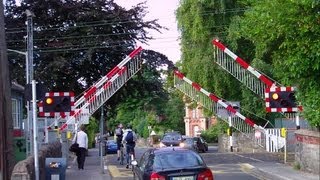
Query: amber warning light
point(275, 96)
point(49, 100)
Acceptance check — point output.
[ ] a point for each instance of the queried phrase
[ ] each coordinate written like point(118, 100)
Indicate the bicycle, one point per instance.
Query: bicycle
point(131, 157)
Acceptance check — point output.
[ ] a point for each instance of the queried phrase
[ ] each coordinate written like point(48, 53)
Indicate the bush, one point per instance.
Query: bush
point(211, 135)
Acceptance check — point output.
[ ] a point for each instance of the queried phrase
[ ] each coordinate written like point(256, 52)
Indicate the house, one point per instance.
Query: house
point(195, 120)
point(17, 99)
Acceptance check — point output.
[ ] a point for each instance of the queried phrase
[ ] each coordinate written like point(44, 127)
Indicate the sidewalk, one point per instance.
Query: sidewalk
point(278, 171)
point(92, 169)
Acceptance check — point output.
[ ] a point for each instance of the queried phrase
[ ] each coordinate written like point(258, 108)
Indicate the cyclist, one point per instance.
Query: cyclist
point(129, 138)
point(119, 134)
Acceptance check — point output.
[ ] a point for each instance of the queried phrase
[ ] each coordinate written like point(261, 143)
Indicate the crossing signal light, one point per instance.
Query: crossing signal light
point(49, 101)
point(282, 99)
point(57, 104)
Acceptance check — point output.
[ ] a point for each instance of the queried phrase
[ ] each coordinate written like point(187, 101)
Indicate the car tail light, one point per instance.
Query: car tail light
point(156, 176)
point(205, 175)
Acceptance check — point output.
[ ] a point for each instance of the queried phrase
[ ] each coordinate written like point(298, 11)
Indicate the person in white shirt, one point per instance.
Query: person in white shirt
point(82, 140)
point(129, 139)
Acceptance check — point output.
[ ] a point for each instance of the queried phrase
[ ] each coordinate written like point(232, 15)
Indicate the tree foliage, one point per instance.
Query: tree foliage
point(286, 42)
point(78, 42)
point(282, 44)
point(75, 40)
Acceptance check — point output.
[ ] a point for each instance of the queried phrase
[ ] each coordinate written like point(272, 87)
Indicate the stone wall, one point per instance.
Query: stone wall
point(241, 143)
point(307, 150)
point(24, 170)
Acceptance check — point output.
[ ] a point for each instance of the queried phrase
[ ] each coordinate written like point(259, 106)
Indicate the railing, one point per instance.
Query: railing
point(104, 88)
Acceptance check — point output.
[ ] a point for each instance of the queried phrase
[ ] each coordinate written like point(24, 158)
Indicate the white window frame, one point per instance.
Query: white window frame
point(15, 105)
point(194, 113)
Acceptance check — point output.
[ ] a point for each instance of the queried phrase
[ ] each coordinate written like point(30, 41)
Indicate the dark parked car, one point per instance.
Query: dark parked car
point(111, 146)
point(189, 143)
point(171, 163)
point(171, 139)
point(202, 145)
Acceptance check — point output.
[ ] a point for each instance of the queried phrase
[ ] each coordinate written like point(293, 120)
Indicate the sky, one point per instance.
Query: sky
point(166, 43)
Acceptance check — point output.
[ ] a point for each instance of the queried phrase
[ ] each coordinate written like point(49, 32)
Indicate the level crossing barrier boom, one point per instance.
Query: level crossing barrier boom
point(211, 102)
point(256, 81)
point(95, 96)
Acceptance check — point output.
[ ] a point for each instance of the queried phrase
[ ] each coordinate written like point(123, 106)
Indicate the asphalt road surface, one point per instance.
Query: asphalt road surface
point(224, 166)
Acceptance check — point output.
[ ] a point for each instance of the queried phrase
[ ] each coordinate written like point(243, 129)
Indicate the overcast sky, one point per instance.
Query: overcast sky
point(166, 43)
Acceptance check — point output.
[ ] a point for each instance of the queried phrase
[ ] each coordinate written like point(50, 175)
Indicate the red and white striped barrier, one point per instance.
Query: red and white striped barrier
point(89, 99)
point(242, 63)
point(93, 89)
point(217, 100)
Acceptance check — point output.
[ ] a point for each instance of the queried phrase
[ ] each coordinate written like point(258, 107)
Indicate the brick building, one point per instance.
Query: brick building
point(195, 121)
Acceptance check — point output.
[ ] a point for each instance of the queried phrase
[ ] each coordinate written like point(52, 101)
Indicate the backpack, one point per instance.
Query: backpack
point(118, 132)
point(129, 137)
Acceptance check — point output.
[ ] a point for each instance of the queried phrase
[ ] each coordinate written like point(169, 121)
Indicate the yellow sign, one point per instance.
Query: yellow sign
point(69, 134)
point(283, 132)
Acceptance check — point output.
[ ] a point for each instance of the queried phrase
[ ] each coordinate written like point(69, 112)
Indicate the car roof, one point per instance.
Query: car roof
point(170, 149)
point(172, 133)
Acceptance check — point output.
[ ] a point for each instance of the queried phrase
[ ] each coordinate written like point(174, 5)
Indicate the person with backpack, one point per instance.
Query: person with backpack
point(119, 134)
point(129, 138)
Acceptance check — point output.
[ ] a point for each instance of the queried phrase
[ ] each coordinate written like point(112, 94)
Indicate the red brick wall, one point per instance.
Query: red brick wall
point(199, 120)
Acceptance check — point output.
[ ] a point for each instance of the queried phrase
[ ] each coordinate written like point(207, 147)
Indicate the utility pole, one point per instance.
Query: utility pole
point(29, 76)
point(102, 140)
point(32, 107)
point(6, 126)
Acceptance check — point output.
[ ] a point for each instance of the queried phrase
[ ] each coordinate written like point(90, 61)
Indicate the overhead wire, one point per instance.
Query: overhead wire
point(101, 23)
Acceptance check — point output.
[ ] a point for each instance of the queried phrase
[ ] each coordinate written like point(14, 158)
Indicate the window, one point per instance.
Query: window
point(16, 116)
point(177, 159)
point(194, 113)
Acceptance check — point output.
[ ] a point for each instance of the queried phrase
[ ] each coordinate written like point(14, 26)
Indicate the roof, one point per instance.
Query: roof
point(17, 87)
point(170, 149)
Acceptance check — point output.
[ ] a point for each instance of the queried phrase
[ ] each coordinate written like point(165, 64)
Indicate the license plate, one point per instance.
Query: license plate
point(183, 178)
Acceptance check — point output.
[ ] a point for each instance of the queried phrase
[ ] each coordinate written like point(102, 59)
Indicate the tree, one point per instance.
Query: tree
point(199, 23)
point(285, 44)
point(74, 49)
point(6, 125)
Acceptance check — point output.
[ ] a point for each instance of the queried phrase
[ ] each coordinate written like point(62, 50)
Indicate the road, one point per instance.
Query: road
point(224, 166)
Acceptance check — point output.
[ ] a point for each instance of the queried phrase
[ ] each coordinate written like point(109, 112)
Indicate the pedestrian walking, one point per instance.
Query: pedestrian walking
point(82, 140)
point(119, 134)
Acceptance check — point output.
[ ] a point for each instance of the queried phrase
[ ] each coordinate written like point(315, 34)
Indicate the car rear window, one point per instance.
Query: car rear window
point(177, 159)
point(172, 137)
point(189, 140)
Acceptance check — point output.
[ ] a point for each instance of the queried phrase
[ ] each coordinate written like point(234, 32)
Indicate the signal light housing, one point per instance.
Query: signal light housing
point(57, 104)
point(281, 99)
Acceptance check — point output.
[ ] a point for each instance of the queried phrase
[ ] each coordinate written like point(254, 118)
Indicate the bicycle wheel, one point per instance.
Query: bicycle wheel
point(131, 159)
